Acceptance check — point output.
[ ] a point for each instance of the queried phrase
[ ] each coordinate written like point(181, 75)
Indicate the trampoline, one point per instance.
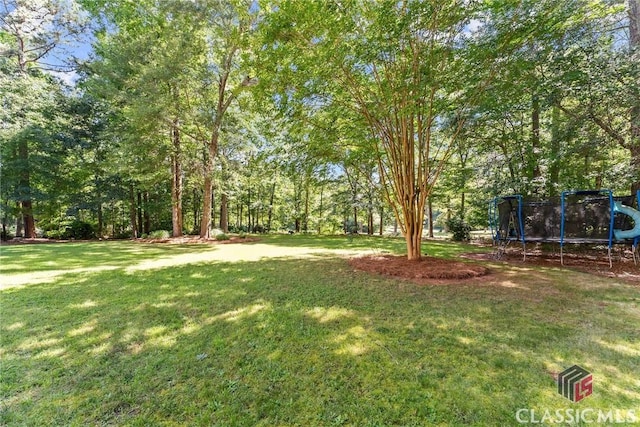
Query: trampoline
point(574, 217)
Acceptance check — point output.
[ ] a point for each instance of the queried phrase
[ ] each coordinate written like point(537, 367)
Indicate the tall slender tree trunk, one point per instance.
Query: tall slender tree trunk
point(176, 180)
point(381, 219)
point(24, 182)
point(321, 209)
point(213, 206)
point(139, 211)
point(430, 214)
point(196, 203)
point(26, 206)
point(249, 225)
point(533, 159)
point(207, 196)
point(305, 216)
point(205, 222)
point(271, 199)
point(147, 215)
point(554, 155)
point(132, 211)
point(100, 215)
point(4, 224)
point(224, 213)
point(355, 218)
point(370, 212)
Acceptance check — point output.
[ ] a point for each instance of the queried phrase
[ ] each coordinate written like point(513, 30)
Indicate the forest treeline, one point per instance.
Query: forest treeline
point(317, 116)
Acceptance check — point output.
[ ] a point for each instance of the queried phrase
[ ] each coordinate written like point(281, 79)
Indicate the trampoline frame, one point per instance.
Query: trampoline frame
point(502, 242)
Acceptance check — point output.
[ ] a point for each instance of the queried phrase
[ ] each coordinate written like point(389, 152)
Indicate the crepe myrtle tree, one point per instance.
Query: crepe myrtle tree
point(412, 71)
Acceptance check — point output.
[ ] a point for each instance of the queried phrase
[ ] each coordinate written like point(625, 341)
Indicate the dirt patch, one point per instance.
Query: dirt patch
point(598, 264)
point(428, 270)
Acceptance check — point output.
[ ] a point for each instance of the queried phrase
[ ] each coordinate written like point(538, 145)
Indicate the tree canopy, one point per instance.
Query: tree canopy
point(315, 116)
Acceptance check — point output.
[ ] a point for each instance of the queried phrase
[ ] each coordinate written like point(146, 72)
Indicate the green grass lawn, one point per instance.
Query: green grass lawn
point(284, 332)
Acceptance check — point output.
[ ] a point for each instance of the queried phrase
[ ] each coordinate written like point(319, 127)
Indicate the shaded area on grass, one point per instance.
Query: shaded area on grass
point(592, 262)
point(309, 342)
point(376, 244)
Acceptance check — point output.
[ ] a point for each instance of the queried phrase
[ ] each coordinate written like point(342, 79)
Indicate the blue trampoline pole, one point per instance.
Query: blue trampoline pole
point(636, 240)
point(562, 227)
point(521, 225)
point(611, 224)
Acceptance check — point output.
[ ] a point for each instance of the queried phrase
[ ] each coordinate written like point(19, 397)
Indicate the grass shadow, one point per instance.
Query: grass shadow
point(308, 342)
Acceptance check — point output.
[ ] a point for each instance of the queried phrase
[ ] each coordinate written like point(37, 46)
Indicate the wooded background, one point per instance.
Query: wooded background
point(310, 116)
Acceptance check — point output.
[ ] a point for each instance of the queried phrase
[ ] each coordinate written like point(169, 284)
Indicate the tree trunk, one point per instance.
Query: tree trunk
point(224, 213)
point(381, 219)
point(355, 219)
point(207, 196)
point(430, 213)
point(554, 165)
point(320, 210)
point(147, 216)
point(205, 222)
point(535, 138)
point(305, 216)
point(196, 213)
point(213, 207)
point(271, 199)
point(132, 211)
point(176, 180)
point(19, 228)
point(26, 207)
point(139, 211)
point(249, 208)
point(100, 217)
point(413, 233)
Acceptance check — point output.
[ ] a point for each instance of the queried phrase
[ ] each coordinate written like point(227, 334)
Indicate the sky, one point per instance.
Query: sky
point(35, 22)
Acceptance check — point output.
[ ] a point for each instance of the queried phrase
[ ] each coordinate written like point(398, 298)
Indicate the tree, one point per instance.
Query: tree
point(600, 77)
point(31, 31)
point(406, 68)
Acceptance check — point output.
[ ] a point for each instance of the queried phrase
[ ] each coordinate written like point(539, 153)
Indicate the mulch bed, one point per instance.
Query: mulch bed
point(427, 270)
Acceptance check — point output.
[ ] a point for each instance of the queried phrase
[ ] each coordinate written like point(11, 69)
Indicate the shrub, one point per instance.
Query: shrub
point(222, 236)
point(242, 235)
point(159, 234)
point(53, 234)
point(78, 229)
point(460, 230)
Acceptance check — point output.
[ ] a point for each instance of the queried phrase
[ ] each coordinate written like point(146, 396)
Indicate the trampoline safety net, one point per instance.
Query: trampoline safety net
point(587, 217)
